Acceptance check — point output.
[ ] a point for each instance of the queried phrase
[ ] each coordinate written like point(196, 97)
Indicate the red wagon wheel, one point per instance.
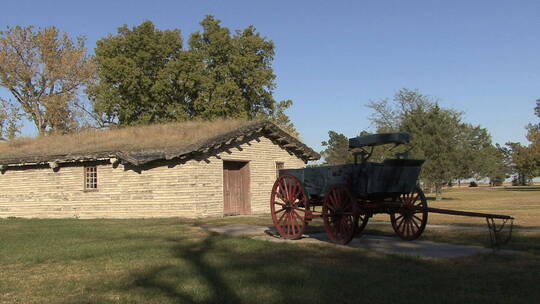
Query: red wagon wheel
point(410, 221)
point(339, 216)
point(288, 204)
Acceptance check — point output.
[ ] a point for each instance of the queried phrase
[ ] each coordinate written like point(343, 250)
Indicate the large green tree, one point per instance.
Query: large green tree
point(336, 150)
point(146, 76)
point(523, 163)
point(526, 158)
point(132, 68)
point(452, 149)
point(44, 70)
point(435, 138)
point(494, 162)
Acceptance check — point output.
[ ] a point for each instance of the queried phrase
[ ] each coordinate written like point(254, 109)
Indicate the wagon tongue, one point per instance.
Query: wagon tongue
point(496, 232)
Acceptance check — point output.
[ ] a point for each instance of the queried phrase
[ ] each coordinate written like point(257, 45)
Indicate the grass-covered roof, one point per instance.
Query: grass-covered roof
point(142, 144)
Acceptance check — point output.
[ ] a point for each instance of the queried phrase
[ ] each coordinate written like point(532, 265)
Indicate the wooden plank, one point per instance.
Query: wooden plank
point(236, 187)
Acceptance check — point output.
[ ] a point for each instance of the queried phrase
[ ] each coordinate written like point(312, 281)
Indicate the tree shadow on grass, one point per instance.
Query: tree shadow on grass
point(210, 268)
point(216, 269)
point(194, 255)
point(221, 273)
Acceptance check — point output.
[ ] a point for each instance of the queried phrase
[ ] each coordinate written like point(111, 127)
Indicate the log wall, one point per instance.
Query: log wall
point(189, 189)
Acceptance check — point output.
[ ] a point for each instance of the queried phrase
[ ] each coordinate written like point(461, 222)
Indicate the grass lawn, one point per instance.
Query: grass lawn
point(523, 203)
point(174, 261)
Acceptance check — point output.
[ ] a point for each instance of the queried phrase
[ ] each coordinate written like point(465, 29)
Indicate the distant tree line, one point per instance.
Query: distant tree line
point(453, 149)
point(141, 75)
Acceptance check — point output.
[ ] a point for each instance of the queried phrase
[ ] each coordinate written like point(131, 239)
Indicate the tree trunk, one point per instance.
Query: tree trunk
point(522, 180)
point(438, 192)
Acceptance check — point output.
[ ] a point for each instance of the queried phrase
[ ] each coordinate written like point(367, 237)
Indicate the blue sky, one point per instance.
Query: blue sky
point(333, 57)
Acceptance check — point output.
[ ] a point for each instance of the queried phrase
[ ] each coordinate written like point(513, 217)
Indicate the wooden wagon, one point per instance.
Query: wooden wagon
point(346, 196)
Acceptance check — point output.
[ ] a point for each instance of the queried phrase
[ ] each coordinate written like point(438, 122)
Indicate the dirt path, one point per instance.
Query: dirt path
point(392, 245)
point(461, 227)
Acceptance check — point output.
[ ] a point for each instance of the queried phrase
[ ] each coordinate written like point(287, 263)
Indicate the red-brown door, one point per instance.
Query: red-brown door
point(236, 188)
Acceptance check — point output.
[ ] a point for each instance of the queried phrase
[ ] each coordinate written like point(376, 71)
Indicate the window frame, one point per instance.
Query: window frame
point(93, 176)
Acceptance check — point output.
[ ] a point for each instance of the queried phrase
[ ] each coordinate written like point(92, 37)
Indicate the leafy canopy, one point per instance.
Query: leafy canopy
point(452, 149)
point(337, 149)
point(44, 70)
point(146, 76)
point(525, 160)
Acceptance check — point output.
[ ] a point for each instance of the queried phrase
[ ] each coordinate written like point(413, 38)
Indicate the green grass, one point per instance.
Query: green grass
point(174, 261)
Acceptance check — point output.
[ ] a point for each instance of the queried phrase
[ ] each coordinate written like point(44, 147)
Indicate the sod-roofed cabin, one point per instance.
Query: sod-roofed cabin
point(192, 169)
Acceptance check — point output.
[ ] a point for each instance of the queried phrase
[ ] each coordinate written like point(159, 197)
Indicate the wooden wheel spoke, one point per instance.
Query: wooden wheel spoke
point(332, 200)
point(415, 199)
point(291, 191)
point(281, 217)
point(299, 220)
point(407, 227)
point(339, 214)
point(340, 199)
point(298, 216)
point(295, 192)
point(280, 210)
point(410, 222)
point(401, 222)
point(283, 190)
point(290, 223)
point(286, 198)
point(293, 223)
point(299, 209)
point(404, 226)
point(286, 187)
point(285, 223)
point(415, 223)
point(330, 204)
point(350, 224)
point(416, 217)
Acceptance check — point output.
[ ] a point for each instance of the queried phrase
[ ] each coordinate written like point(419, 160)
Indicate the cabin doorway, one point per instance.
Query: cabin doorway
point(236, 180)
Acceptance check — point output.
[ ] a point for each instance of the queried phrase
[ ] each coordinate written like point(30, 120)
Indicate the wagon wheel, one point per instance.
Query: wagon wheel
point(340, 215)
point(288, 204)
point(410, 221)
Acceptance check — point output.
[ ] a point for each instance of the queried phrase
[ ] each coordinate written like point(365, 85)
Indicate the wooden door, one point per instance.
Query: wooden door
point(236, 188)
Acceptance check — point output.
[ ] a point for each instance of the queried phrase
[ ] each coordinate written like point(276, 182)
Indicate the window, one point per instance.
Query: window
point(279, 166)
point(90, 178)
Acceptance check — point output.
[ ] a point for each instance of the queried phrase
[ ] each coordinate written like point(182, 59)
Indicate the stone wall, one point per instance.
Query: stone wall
point(190, 189)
